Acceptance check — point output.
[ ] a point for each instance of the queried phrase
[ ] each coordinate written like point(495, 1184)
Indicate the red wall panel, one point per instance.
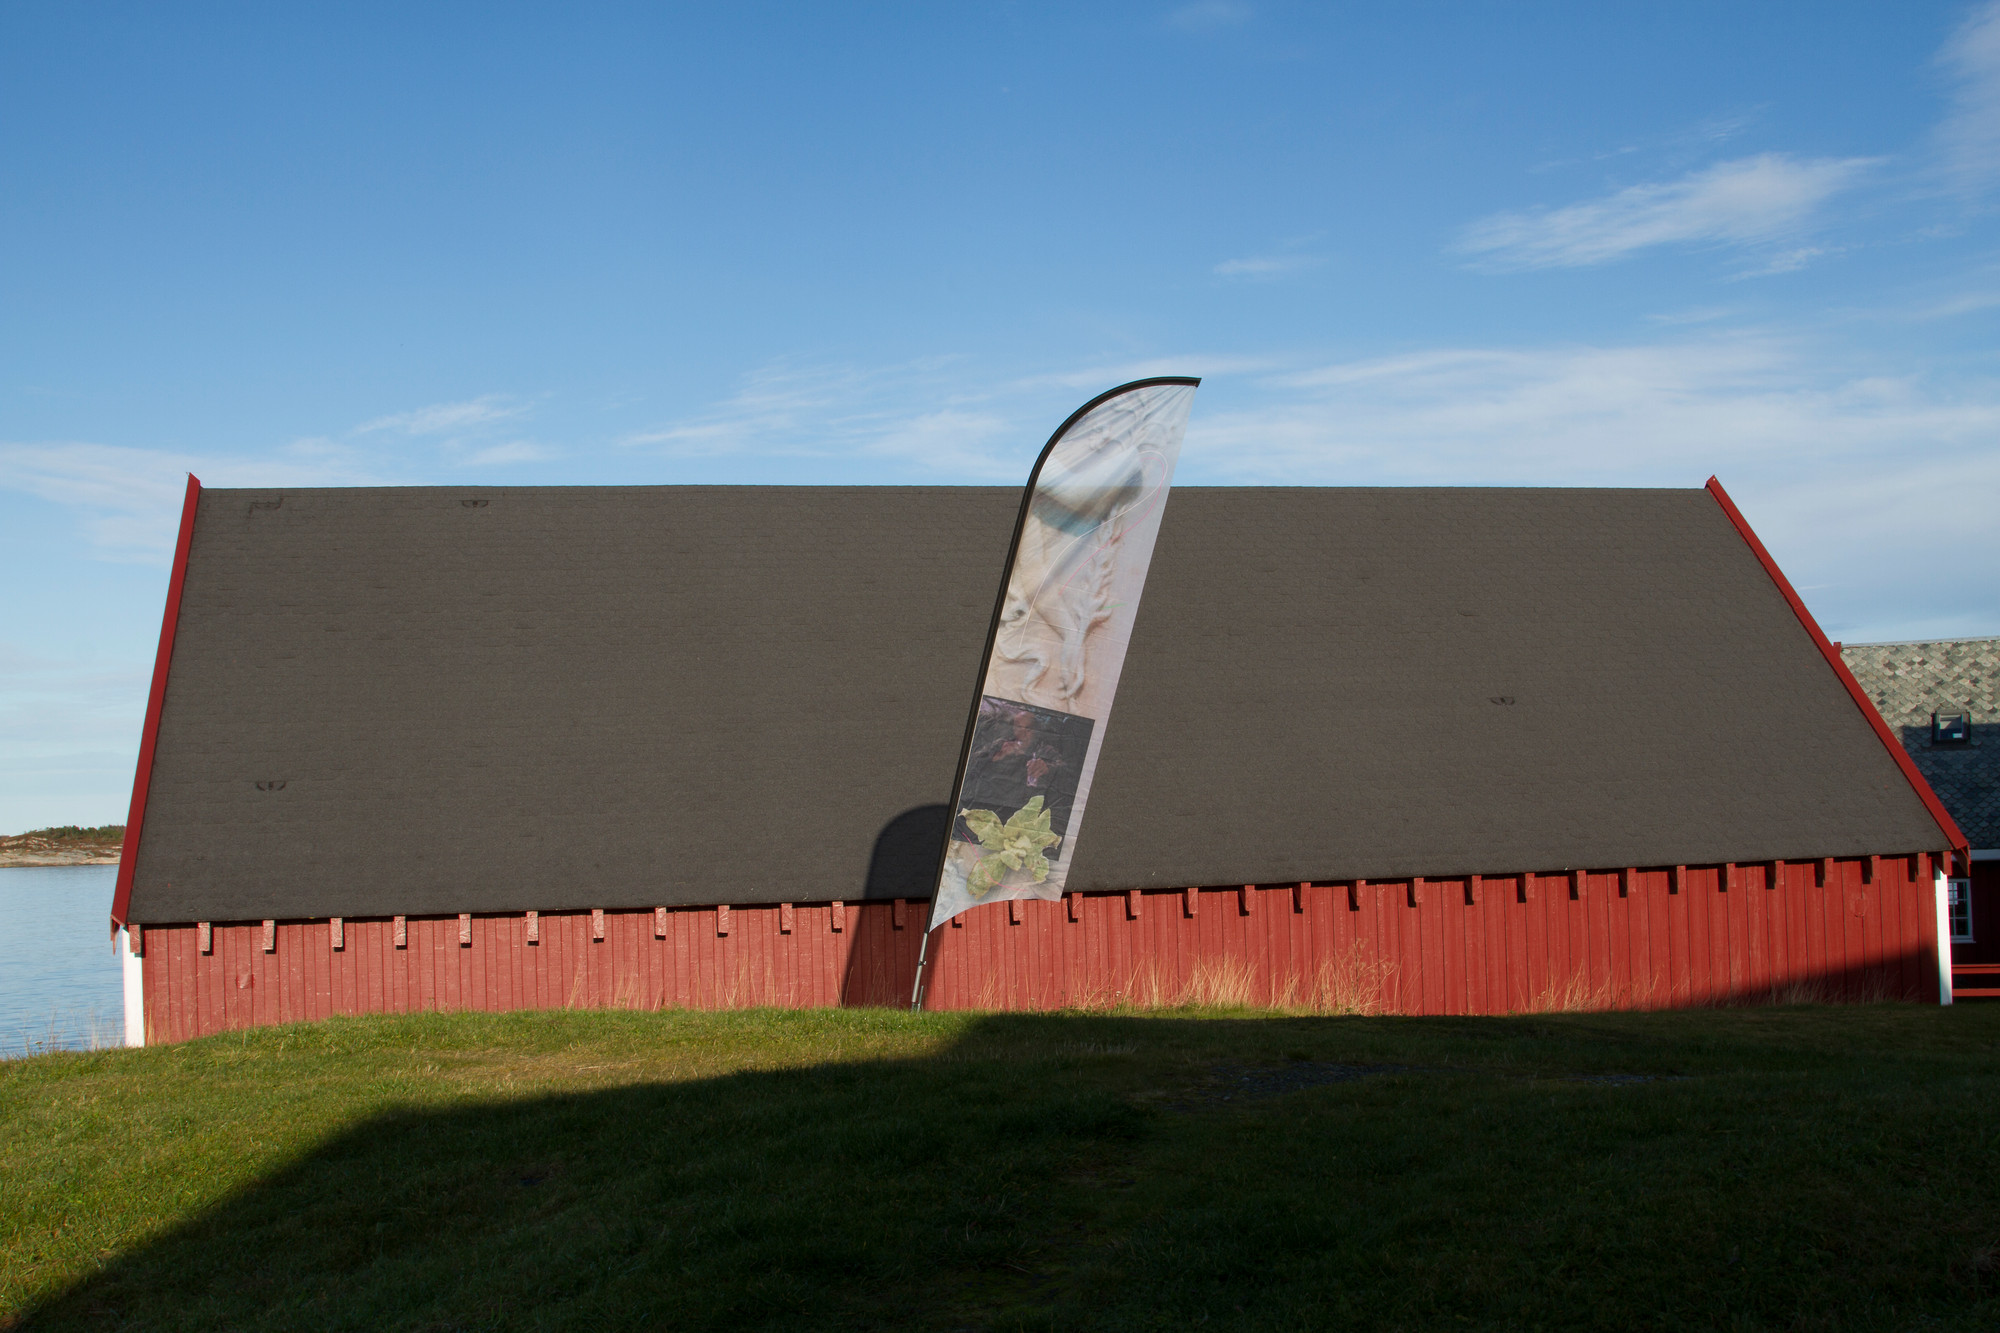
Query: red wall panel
point(1600, 940)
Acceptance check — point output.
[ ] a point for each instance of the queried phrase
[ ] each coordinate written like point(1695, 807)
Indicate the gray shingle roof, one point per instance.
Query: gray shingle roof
point(1910, 681)
point(432, 700)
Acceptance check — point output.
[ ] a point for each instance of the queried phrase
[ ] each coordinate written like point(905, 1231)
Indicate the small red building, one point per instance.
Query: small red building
point(1417, 750)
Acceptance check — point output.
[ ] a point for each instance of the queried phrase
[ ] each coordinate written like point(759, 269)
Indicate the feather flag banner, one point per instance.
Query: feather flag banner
point(1067, 605)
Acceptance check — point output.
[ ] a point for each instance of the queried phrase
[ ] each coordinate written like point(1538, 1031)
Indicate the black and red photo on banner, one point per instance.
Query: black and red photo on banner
point(1057, 644)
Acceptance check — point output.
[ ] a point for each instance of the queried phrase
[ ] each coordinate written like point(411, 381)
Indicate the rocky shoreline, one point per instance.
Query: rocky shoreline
point(31, 850)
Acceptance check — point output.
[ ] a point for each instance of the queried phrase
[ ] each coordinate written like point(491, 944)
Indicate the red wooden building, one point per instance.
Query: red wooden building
point(1423, 750)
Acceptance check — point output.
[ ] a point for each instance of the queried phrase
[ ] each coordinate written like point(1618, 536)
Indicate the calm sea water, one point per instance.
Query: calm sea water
point(60, 983)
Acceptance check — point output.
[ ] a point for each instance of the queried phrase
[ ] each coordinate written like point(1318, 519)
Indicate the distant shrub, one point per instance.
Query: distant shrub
point(73, 833)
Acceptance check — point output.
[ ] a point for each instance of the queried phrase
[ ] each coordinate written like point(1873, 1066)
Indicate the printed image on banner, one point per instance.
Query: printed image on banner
point(1066, 617)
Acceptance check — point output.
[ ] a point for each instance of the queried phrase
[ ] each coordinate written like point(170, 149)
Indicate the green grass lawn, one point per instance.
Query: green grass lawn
point(1807, 1168)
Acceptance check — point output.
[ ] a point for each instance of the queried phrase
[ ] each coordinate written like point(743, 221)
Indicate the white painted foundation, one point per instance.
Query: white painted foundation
point(1939, 890)
point(135, 990)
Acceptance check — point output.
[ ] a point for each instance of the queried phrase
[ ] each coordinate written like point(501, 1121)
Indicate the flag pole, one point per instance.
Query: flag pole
point(924, 953)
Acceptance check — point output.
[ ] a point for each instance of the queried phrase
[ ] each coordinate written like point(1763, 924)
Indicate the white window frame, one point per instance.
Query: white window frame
point(1959, 903)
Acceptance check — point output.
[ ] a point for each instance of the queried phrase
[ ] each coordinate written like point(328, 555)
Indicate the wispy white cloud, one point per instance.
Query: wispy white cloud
point(1970, 134)
point(1752, 200)
point(1267, 267)
point(1841, 464)
point(69, 727)
point(1643, 414)
point(916, 412)
point(1788, 261)
point(129, 500)
point(1207, 15)
point(1678, 146)
point(1096, 377)
point(447, 418)
point(508, 454)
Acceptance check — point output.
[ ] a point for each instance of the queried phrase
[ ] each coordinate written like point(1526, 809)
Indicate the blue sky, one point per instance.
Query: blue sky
point(1455, 243)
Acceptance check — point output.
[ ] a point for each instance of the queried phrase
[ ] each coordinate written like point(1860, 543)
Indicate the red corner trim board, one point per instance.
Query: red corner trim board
point(128, 858)
point(1854, 690)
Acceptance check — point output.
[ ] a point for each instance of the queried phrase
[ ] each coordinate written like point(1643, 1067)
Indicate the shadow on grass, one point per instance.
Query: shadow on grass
point(1053, 1172)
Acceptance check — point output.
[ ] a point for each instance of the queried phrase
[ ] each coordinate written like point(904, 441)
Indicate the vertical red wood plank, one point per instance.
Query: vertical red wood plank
point(395, 995)
point(523, 965)
point(263, 962)
point(159, 987)
point(1534, 915)
point(1597, 903)
point(263, 986)
point(190, 984)
point(1379, 926)
point(345, 999)
point(1895, 886)
point(472, 963)
point(1628, 937)
point(1756, 935)
point(197, 992)
point(1662, 974)
point(1633, 904)
point(441, 937)
point(218, 980)
point(1787, 911)
point(1869, 929)
point(416, 965)
point(380, 972)
point(1423, 919)
point(1905, 941)
point(505, 938)
point(1795, 886)
point(155, 987)
point(1853, 916)
point(204, 994)
point(227, 970)
point(431, 935)
point(1839, 974)
point(1918, 960)
point(237, 1012)
point(1494, 900)
point(1771, 899)
point(1633, 936)
point(492, 947)
point(315, 968)
point(1520, 983)
point(1400, 937)
point(1677, 947)
point(1708, 882)
point(292, 963)
point(1730, 900)
point(1488, 986)
point(1888, 870)
point(1698, 894)
point(1915, 944)
point(1449, 917)
point(1820, 892)
point(1588, 967)
point(383, 970)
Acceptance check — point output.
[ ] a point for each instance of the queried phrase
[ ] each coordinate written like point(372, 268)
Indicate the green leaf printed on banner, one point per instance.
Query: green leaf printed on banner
point(1015, 845)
